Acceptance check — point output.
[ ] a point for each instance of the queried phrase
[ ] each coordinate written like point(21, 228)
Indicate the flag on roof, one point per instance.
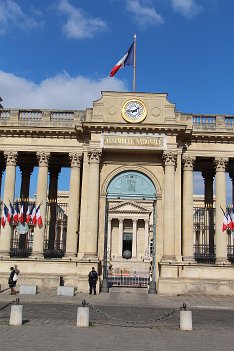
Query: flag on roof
point(126, 60)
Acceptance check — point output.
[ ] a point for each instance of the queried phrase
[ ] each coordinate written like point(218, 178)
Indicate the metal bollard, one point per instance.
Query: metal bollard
point(61, 281)
point(16, 317)
point(83, 315)
point(185, 318)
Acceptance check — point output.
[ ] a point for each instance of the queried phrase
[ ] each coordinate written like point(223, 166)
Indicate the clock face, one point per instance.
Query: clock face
point(134, 111)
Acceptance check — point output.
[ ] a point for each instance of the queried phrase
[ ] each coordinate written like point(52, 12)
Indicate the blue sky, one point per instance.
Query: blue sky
point(59, 53)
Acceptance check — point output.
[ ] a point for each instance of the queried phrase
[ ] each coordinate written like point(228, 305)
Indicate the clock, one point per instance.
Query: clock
point(134, 111)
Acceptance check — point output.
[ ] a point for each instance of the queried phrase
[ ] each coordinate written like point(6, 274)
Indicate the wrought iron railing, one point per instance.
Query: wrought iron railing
point(58, 251)
point(202, 254)
point(21, 248)
point(230, 253)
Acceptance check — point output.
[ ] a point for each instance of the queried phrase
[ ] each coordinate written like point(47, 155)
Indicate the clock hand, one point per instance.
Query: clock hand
point(133, 111)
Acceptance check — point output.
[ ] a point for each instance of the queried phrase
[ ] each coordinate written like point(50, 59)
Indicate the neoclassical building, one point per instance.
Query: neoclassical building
point(130, 206)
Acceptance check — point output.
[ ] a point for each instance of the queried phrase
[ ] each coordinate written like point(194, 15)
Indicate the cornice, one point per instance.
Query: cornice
point(173, 129)
point(39, 132)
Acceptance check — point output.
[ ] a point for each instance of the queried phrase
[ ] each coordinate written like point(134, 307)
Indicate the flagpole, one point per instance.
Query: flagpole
point(134, 66)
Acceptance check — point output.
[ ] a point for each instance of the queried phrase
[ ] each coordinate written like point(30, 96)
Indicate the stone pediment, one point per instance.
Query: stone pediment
point(109, 108)
point(128, 207)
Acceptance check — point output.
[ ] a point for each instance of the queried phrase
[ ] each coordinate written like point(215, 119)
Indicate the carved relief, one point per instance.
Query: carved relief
point(131, 183)
point(188, 162)
point(11, 157)
point(169, 158)
point(75, 159)
point(220, 164)
point(94, 156)
point(43, 158)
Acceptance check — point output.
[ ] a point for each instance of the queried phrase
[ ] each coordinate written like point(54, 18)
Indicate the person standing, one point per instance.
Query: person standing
point(12, 281)
point(93, 277)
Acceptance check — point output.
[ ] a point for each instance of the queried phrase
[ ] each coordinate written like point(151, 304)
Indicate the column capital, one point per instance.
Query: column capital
point(169, 158)
point(188, 162)
point(11, 157)
point(75, 159)
point(220, 164)
point(43, 158)
point(94, 156)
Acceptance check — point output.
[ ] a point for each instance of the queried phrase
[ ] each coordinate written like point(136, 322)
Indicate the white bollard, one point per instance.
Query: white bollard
point(186, 320)
point(82, 317)
point(16, 317)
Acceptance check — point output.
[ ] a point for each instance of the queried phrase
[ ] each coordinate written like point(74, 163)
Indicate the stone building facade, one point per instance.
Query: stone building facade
point(130, 204)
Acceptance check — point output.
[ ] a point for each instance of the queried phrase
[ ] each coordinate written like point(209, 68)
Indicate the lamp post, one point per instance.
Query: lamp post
point(152, 286)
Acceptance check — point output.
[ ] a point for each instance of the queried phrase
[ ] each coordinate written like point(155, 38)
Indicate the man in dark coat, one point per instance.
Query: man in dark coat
point(93, 277)
point(12, 281)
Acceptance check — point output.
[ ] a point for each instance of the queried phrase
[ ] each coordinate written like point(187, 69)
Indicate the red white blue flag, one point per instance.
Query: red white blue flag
point(33, 214)
point(126, 60)
point(4, 216)
point(10, 212)
point(38, 216)
point(16, 212)
point(21, 216)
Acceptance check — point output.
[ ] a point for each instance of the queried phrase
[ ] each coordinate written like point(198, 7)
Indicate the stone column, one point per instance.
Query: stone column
point(9, 192)
point(74, 202)
point(208, 176)
point(146, 237)
point(187, 219)
point(169, 159)
point(120, 237)
point(220, 237)
point(134, 238)
point(42, 185)
point(109, 238)
point(93, 204)
point(52, 198)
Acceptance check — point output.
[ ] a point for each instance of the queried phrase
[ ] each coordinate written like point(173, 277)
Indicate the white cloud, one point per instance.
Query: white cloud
point(79, 25)
point(143, 15)
point(188, 8)
point(11, 16)
point(59, 92)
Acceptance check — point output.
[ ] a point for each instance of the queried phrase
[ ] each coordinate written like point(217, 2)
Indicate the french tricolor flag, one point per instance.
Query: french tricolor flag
point(21, 215)
point(10, 212)
point(127, 60)
point(16, 212)
point(38, 216)
point(4, 216)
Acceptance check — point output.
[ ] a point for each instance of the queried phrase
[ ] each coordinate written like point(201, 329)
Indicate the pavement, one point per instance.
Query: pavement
point(123, 319)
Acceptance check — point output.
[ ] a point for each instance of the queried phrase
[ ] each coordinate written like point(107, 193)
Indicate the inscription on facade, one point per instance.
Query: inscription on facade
point(133, 141)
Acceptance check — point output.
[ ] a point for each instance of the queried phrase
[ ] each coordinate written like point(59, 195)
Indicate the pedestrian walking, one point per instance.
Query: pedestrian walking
point(93, 277)
point(12, 280)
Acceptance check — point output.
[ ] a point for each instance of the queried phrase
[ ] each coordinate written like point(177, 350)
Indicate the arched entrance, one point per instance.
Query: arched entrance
point(130, 228)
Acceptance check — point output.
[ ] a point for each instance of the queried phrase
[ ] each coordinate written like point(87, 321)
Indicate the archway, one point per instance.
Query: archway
point(130, 224)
